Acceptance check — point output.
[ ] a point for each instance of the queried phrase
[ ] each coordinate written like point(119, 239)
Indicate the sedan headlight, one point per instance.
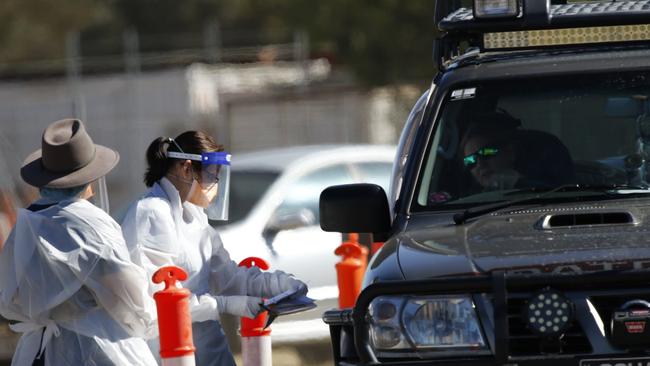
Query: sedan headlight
point(431, 322)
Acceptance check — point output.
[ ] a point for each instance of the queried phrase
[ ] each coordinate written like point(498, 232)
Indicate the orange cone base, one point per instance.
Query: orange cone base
point(179, 361)
point(256, 351)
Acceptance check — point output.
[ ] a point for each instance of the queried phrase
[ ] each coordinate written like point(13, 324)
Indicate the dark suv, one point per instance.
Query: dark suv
point(517, 223)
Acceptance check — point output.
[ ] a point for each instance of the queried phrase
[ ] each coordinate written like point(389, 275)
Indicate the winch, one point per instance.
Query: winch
point(629, 326)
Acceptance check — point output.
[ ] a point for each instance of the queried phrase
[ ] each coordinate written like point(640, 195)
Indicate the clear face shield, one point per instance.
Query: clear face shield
point(99, 193)
point(211, 188)
point(215, 181)
point(94, 192)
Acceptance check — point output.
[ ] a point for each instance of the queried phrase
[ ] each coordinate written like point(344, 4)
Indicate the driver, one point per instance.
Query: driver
point(489, 152)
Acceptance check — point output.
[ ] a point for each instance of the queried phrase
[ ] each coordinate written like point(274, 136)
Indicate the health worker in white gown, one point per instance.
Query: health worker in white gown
point(67, 282)
point(189, 180)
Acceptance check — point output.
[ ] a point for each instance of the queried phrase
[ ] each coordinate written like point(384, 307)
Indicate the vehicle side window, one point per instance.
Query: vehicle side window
point(304, 193)
point(404, 148)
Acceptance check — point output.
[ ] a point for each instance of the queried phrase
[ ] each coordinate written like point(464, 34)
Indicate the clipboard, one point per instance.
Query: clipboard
point(288, 302)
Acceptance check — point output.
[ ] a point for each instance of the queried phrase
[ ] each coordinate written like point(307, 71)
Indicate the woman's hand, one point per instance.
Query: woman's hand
point(244, 306)
point(279, 282)
point(291, 283)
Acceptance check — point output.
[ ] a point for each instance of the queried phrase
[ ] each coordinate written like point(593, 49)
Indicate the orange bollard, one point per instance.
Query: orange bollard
point(350, 270)
point(174, 320)
point(255, 340)
point(375, 246)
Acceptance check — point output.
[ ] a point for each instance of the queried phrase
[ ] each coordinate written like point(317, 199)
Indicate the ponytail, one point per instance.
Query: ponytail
point(191, 142)
point(157, 161)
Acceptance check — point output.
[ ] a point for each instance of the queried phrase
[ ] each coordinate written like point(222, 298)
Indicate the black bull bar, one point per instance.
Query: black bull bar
point(498, 283)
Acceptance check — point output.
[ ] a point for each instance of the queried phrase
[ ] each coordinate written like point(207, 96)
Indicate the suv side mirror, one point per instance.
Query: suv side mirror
point(355, 208)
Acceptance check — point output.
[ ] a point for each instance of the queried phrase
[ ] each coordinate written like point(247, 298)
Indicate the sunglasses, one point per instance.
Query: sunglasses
point(211, 177)
point(470, 160)
point(208, 179)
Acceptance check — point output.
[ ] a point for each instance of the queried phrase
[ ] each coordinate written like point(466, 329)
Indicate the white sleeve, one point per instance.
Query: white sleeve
point(8, 308)
point(153, 243)
point(119, 285)
point(151, 237)
point(227, 278)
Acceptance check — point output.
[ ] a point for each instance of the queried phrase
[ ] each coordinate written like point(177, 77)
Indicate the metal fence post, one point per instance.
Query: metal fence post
point(212, 42)
point(73, 74)
point(301, 53)
point(131, 51)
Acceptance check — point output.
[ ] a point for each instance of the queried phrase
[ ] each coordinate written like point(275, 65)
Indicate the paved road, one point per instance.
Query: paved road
point(302, 327)
point(303, 334)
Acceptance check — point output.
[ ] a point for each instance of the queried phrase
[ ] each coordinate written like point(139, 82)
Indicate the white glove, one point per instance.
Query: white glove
point(243, 306)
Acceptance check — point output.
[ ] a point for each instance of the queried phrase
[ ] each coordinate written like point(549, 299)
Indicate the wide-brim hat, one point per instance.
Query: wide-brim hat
point(67, 158)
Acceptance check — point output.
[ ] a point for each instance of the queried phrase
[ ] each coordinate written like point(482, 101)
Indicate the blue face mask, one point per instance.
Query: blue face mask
point(61, 194)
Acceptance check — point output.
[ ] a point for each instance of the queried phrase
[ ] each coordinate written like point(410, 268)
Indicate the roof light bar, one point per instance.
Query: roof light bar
point(496, 8)
point(567, 36)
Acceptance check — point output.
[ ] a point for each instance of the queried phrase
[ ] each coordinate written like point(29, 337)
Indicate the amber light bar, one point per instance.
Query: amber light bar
point(566, 36)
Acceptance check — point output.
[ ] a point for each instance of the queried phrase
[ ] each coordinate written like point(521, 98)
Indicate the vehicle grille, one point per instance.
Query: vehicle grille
point(523, 342)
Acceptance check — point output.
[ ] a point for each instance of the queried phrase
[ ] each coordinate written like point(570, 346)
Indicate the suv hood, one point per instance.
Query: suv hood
point(516, 241)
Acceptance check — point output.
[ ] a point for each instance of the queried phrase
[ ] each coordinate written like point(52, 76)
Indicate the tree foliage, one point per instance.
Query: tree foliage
point(33, 30)
point(382, 41)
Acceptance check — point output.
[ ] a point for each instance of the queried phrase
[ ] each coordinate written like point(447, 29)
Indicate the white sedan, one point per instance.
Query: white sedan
point(274, 214)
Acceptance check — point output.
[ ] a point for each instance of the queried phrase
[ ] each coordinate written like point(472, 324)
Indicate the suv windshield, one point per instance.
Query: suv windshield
point(500, 141)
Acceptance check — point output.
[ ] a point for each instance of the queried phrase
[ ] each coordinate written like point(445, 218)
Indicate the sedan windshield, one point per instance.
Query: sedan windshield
point(502, 141)
point(246, 189)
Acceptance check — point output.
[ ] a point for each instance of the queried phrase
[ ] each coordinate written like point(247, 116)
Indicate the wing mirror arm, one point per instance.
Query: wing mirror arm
point(288, 219)
point(269, 237)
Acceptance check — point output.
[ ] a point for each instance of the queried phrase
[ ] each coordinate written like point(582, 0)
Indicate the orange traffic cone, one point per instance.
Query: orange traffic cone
point(255, 340)
point(350, 270)
point(375, 246)
point(174, 320)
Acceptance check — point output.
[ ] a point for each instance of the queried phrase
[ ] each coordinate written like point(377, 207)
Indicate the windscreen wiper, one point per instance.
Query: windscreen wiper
point(461, 217)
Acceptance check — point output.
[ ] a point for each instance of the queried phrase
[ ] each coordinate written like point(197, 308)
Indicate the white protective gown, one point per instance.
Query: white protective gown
point(67, 279)
point(160, 230)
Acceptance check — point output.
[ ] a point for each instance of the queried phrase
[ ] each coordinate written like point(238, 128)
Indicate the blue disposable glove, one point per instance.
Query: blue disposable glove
point(243, 306)
point(281, 282)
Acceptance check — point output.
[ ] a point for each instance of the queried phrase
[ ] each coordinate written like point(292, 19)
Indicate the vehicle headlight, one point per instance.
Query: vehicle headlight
point(495, 8)
point(424, 322)
point(385, 323)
